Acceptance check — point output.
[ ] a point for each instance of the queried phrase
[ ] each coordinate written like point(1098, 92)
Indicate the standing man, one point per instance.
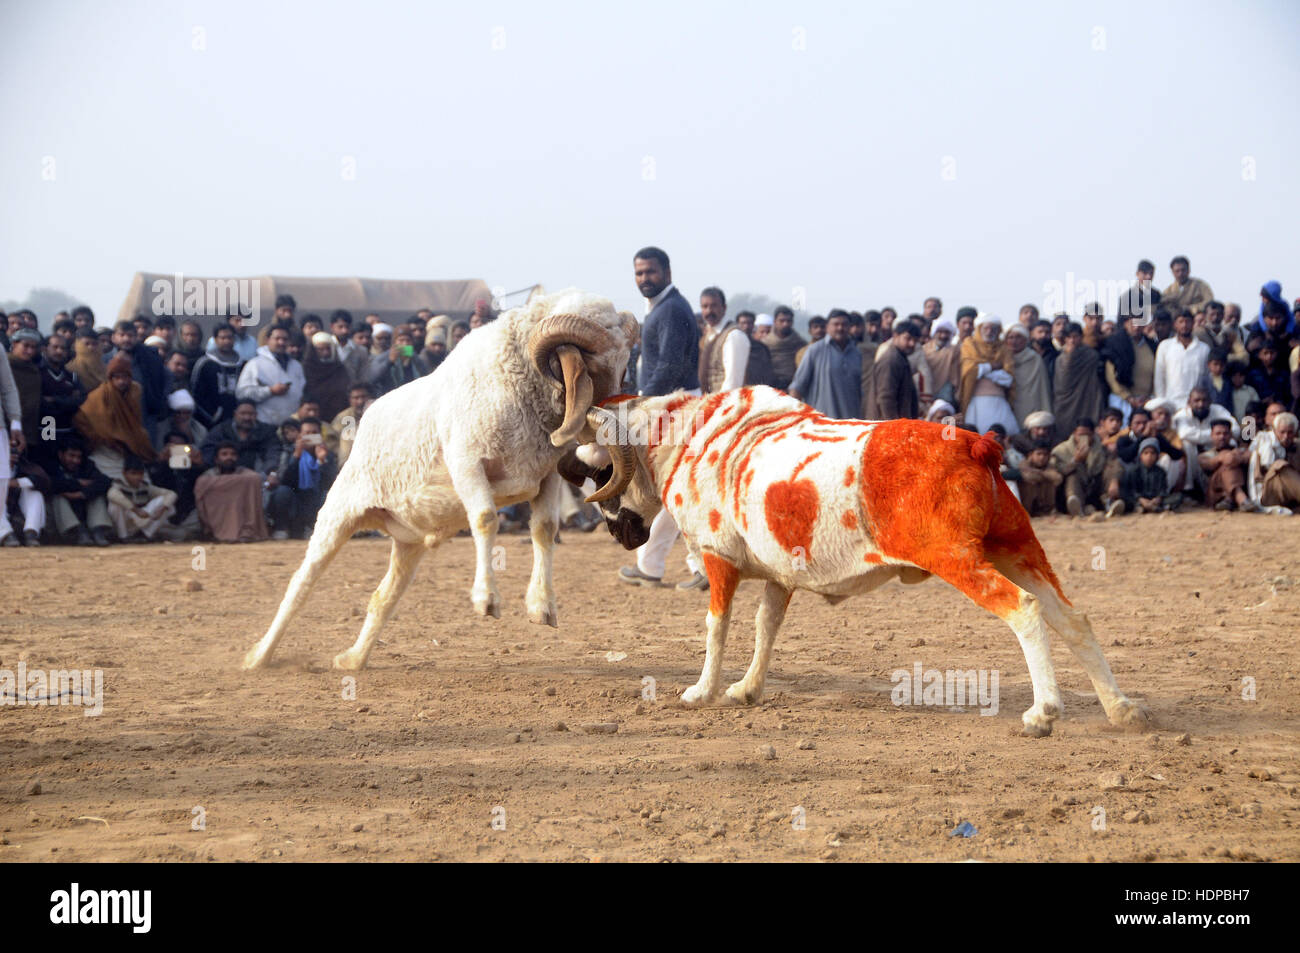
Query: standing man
point(829, 378)
point(724, 349)
point(1186, 293)
point(1180, 362)
point(893, 391)
point(783, 344)
point(273, 380)
point(670, 357)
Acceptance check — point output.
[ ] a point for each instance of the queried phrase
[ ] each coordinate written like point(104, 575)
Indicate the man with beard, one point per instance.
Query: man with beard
point(1219, 335)
point(61, 394)
point(944, 359)
point(1193, 422)
point(931, 310)
point(435, 346)
point(1040, 339)
point(783, 344)
point(987, 378)
point(229, 499)
point(190, 341)
point(670, 358)
point(1033, 390)
point(893, 394)
point(1077, 391)
point(27, 379)
point(1130, 360)
point(1039, 426)
point(345, 423)
point(146, 370)
point(1273, 480)
point(1224, 464)
point(273, 380)
point(1141, 299)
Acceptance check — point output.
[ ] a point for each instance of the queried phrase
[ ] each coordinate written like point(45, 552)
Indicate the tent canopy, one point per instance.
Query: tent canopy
point(209, 300)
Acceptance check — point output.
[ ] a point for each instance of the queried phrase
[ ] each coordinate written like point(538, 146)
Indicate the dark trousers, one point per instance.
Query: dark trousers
point(294, 510)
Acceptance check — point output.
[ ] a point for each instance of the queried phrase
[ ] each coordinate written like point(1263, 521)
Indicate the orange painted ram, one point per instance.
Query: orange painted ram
point(765, 488)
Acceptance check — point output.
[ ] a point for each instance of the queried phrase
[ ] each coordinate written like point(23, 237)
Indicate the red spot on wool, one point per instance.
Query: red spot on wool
point(715, 520)
point(872, 558)
point(678, 499)
point(723, 578)
point(849, 519)
point(791, 511)
point(849, 474)
point(935, 503)
point(779, 437)
point(713, 457)
point(797, 470)
point(823, 438)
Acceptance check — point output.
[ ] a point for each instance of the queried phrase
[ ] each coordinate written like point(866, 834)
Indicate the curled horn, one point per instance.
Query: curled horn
point(556, 347)
point(621, 455)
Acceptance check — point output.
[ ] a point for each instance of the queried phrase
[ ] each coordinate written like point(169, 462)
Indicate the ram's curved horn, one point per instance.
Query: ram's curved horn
point(557, 348)
point(621, 455)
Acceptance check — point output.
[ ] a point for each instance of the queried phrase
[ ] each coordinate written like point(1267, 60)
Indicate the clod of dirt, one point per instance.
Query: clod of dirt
point(33, 788)
point(559, 726)
point(768, 752)
point(1252, 809)
point(358, 828)
point(1112, 781)
point(805, 745)
point(550, 690)
point(601, 727)
point(1264, 774)
point(1136, 817)
point(1184, 739)
point(189, 584)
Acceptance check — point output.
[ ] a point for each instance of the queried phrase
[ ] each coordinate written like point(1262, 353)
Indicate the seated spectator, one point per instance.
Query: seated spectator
point(137, 507)
point(24, 499)
point(309, 408)
point(178, 471)
point(1039, 480)
point(1192, 423)
point(228, 497)
point(1040, 425)
point(1145, 486)
point(1224, 464)
point(1273, 480)
point(1128, 440)
point(62, 393)
point(304, 481)
point(396, 366)
point(111, 419)
point(1243, 395)
point(215, 378)
point(1183, 467)
point(1081, 460)
point(1269, 375)
point(78, 496)
point(360, 397)
point(255, 443)
point(182, 418)
point(1108, 431)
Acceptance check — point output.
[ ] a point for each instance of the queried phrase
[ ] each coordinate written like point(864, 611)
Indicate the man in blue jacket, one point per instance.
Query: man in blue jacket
point(670, 357)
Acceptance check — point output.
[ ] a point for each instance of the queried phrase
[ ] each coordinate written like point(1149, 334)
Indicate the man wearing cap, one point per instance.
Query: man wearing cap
point(1143, 488)
point(670, 357)
point(1040, 425)
point(783, 344)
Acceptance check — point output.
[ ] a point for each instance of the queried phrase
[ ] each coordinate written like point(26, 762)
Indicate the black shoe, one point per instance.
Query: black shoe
point(98, 536)
point(10, 540)
point(31, 537)
point(698, 581)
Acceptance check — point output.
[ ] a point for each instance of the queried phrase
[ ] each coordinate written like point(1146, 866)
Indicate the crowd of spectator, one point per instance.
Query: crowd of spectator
point(143, 431)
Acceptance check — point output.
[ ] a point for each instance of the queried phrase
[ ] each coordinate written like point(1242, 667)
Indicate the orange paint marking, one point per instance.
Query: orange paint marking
point(930, 501)
point(849, 519)
point(821, 438)
point(715, 520)
point(775, 432)
point(678, 499)
point(616, 399)
point(872, 558)
point(797, 470)
point(723, 578)
point(791, 511)
point(713, 457)
point(849, 475)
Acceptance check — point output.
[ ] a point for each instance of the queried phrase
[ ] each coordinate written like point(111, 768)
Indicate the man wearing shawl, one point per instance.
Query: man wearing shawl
point(1186, 293)
point(1033, 386)
point(782, 344)
point(1077, 394)
point(1273, 479)
point(327, 378)
point(1130, 359)
point(944, 359)
point(112, 420)
point(88, 360)
point(27, 378)
point(228, 498)
point(987, 377)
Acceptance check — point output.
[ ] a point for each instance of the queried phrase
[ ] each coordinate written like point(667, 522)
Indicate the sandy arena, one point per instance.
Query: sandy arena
point(461, 726)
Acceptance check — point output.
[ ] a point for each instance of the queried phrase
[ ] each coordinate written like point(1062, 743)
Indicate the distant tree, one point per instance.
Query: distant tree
point(45, 303)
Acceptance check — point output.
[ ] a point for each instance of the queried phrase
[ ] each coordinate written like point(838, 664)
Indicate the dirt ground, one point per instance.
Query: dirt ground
point(462, 726)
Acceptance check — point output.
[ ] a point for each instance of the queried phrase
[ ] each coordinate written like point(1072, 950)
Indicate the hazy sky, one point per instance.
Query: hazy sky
point(871, 154)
